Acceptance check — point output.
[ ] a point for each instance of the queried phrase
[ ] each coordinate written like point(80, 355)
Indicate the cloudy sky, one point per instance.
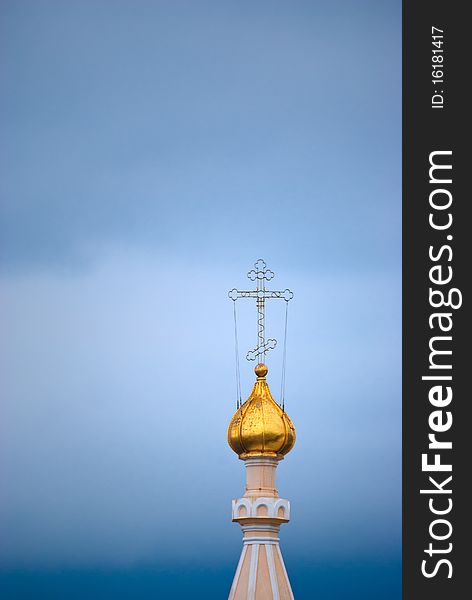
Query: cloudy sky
point(151, 152)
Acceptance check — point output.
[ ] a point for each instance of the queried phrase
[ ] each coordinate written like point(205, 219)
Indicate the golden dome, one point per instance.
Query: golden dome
point(260, 427)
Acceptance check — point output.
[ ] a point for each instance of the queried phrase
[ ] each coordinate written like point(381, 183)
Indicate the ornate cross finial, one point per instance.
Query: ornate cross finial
point(260, 274)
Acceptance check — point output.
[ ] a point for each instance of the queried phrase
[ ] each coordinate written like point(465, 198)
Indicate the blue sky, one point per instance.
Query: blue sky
point(151, 152)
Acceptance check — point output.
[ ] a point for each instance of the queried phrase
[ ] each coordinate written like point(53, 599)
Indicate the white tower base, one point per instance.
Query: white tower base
point(261, 573)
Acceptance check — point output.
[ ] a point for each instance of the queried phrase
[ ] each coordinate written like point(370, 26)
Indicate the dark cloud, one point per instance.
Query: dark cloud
point(172, 127)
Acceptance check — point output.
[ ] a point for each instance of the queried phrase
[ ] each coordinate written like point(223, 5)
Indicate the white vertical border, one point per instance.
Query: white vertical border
point(285, 572)
point(272, 574)
point(237, 574)
point(251, 586)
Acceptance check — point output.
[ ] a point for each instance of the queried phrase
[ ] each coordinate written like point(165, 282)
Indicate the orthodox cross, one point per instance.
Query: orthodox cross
point(260, 274)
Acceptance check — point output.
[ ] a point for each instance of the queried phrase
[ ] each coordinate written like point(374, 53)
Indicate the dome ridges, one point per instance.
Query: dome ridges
point(260, 427)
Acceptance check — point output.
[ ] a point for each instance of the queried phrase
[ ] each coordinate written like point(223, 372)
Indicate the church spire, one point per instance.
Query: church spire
point(261, 433)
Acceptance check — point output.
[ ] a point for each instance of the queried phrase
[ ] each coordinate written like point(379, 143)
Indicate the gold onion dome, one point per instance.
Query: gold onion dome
point(260, 427)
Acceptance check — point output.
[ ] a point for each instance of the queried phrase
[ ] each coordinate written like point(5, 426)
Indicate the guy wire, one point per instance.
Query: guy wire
point(236, 352)
point(282, 383)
